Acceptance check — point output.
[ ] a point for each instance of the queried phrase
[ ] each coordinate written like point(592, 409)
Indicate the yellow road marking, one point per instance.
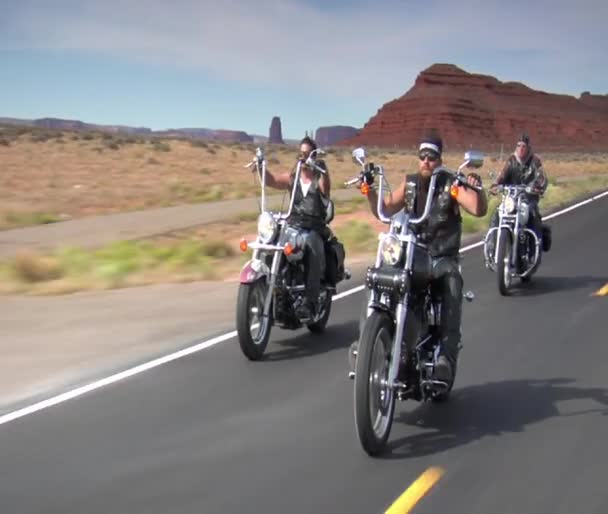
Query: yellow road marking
point(414, 493)
point(602, 292)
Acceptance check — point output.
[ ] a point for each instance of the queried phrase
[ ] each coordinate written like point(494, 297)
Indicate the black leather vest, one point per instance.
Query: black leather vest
point(308, 211)
point(442, 231)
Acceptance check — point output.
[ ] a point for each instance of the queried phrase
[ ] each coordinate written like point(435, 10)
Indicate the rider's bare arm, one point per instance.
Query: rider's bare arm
point(278, 181)
point(325, 184)
point(392, 203)
point(475, 203)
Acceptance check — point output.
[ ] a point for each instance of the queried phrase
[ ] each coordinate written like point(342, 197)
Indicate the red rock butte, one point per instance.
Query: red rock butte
point(479, 111)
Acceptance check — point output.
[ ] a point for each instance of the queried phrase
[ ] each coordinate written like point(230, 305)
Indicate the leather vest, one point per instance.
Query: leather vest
point(309, 211)
point(442, 231)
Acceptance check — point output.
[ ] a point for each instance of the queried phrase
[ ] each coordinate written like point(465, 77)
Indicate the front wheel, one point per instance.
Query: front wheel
point(374, 400)
point(252, 327)
point(503, 262)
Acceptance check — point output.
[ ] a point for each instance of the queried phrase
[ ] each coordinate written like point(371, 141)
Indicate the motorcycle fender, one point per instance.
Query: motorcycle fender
point(499, 231)
point(380, 307)
point(252, 271)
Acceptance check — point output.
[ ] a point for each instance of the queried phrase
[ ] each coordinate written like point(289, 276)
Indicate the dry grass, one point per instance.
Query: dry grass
point(209, 252)
point(49, 176)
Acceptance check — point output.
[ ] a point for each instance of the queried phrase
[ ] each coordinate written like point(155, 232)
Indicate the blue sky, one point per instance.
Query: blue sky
point(236, 63)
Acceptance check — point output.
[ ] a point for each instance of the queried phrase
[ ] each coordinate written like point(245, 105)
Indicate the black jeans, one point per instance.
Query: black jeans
point(314, 261)
point(446, 286)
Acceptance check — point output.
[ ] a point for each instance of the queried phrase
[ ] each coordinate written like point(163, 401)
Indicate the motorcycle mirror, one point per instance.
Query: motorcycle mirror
point(359, 155)
point(474, 159)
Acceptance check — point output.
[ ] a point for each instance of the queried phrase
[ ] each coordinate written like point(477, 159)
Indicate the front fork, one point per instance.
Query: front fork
point(272, 280)
point(400, 318)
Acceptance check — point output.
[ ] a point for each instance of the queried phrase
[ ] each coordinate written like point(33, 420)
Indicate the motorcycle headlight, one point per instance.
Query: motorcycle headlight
point(267, 227)
point(524, 213)
point(509, 205)
point(391, 249)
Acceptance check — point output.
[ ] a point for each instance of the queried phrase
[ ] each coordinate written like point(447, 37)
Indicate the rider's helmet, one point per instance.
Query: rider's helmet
point(524, 138)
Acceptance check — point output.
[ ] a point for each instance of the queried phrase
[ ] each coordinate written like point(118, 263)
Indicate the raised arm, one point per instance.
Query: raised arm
point(472, 201)
point(277, 181)
point(391, 204)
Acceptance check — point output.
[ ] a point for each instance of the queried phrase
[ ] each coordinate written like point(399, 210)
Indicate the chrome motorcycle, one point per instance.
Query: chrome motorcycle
point(399, 344)
point(272, 283)
point(517, 248)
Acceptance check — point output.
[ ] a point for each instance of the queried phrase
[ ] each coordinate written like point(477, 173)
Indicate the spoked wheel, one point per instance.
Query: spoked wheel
point(503, 263)
point(319, 325)
point(253, 329)
point(374, 396)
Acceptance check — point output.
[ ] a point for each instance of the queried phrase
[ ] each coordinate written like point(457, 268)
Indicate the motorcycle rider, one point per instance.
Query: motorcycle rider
point(523, 167)
point(312, 196)
point(442, 233)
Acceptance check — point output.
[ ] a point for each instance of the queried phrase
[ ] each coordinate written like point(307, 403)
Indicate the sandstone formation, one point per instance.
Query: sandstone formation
point(202, 133)
point(275, 134)
point(472, 110)
point(327, 136)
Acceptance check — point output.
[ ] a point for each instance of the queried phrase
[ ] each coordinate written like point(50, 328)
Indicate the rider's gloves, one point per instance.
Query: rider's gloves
point(474, 179)
point(367, 176)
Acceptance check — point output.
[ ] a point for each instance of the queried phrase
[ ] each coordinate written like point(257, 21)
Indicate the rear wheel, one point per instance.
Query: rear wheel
point(503, 262)
point(253, 329)
point(374, 399)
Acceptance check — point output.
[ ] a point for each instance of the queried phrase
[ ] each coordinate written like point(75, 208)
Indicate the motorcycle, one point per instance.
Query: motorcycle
point(517, 249)
point(399, 343)
point(272, 282)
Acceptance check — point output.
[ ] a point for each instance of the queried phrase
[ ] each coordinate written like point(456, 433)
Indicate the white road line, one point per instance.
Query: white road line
point(112, 379)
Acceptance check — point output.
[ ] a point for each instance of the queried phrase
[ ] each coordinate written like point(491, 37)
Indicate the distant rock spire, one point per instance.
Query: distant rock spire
point(275, 134)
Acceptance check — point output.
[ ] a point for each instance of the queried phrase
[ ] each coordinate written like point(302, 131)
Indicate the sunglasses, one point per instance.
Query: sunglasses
point(431, 156)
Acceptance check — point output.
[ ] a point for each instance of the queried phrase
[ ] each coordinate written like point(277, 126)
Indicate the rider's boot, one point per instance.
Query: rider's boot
point(444, 370)
point(306, 309)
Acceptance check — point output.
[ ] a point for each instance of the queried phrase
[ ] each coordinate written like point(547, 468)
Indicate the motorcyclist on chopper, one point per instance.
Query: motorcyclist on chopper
point(524, 168)
point(442, 234)
point(309, 214)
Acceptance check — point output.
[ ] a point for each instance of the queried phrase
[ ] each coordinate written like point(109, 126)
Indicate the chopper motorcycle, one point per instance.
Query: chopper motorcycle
point(272, 282)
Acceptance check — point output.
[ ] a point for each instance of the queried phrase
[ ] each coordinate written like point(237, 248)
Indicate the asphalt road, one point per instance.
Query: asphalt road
point(525, 430)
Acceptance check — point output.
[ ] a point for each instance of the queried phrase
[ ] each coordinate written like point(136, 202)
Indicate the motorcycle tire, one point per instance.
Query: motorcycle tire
point(253, 347)
point(503, 265)
point(374, 403)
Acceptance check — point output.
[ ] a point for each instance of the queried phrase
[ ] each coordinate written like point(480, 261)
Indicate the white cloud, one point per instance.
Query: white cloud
point(374, 50)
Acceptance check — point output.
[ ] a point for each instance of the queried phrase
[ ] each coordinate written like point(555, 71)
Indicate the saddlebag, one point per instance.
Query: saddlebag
point(334, 261)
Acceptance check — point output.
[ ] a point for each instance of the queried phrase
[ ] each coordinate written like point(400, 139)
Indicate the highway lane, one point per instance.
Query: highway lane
point(524, 431)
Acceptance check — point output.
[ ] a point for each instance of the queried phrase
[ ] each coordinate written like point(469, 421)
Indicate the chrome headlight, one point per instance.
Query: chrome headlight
point(524, 213)
point(509, 205)
point(267, 227)
point(391, 249)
